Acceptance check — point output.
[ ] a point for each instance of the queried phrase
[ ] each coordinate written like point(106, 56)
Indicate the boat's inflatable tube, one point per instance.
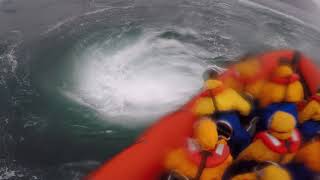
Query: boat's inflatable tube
point(143, 160)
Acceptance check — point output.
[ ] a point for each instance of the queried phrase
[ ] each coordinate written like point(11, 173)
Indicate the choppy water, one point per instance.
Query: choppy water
point(82, 90)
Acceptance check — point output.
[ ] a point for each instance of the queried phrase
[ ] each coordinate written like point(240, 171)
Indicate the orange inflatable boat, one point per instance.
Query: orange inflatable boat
point(144, 159)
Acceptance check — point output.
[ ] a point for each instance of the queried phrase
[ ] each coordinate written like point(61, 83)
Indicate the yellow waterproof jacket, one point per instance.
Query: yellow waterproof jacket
point(273, 92)
point(283, 86)
point(310, 112)
point(225, 100)
point(247, 77)
point(258, 151)
point(253, 88)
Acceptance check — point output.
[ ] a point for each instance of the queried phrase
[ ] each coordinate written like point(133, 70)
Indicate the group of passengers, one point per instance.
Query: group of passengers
point(252, 124)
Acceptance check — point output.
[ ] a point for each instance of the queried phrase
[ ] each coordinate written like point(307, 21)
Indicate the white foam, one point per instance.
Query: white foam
point(59, 24)
point(147, 78)
point(106, 8)
point(7, 173)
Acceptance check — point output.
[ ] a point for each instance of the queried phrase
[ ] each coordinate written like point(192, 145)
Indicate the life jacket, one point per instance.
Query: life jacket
point(280, 146)
point(316, 98)
point(301, 105)
point(286, 80)
point(217, 157)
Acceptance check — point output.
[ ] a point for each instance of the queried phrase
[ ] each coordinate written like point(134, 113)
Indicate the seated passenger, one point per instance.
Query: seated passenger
point(309, 155)
point(278, 144)
point(283, 87)
point(280, 93)
point(203, 158)
point(309, 117)
point(225, 105)
point(247, 76)
point(219, 98)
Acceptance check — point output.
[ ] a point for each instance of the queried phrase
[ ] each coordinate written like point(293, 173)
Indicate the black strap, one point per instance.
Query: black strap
point(295, 60)
point(204, 157)
point(296, 57)
point(247, 97)
point(287, 144)
point(214, 101)
point(282, 156)
point(295, 64)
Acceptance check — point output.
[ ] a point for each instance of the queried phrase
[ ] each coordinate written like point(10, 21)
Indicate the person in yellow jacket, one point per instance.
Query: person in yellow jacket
point(202, 158)
point(309, 155)
point(309, 117)
point(247, 76)
point(309, 126)
point(278, 144)
point(284, 86)
point(281, 93)
point(219, 98)
point(225, 104)
point(306, 164)
point(253, 170)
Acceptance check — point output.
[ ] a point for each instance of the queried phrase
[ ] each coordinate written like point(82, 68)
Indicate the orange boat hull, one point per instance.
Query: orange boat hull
point(143, 160)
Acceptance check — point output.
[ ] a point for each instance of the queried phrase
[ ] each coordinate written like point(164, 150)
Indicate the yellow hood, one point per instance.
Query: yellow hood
point(205, 133)
point(282, 124)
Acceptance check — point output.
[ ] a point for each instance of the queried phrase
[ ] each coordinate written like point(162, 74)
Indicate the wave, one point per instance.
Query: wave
point(145, 77)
